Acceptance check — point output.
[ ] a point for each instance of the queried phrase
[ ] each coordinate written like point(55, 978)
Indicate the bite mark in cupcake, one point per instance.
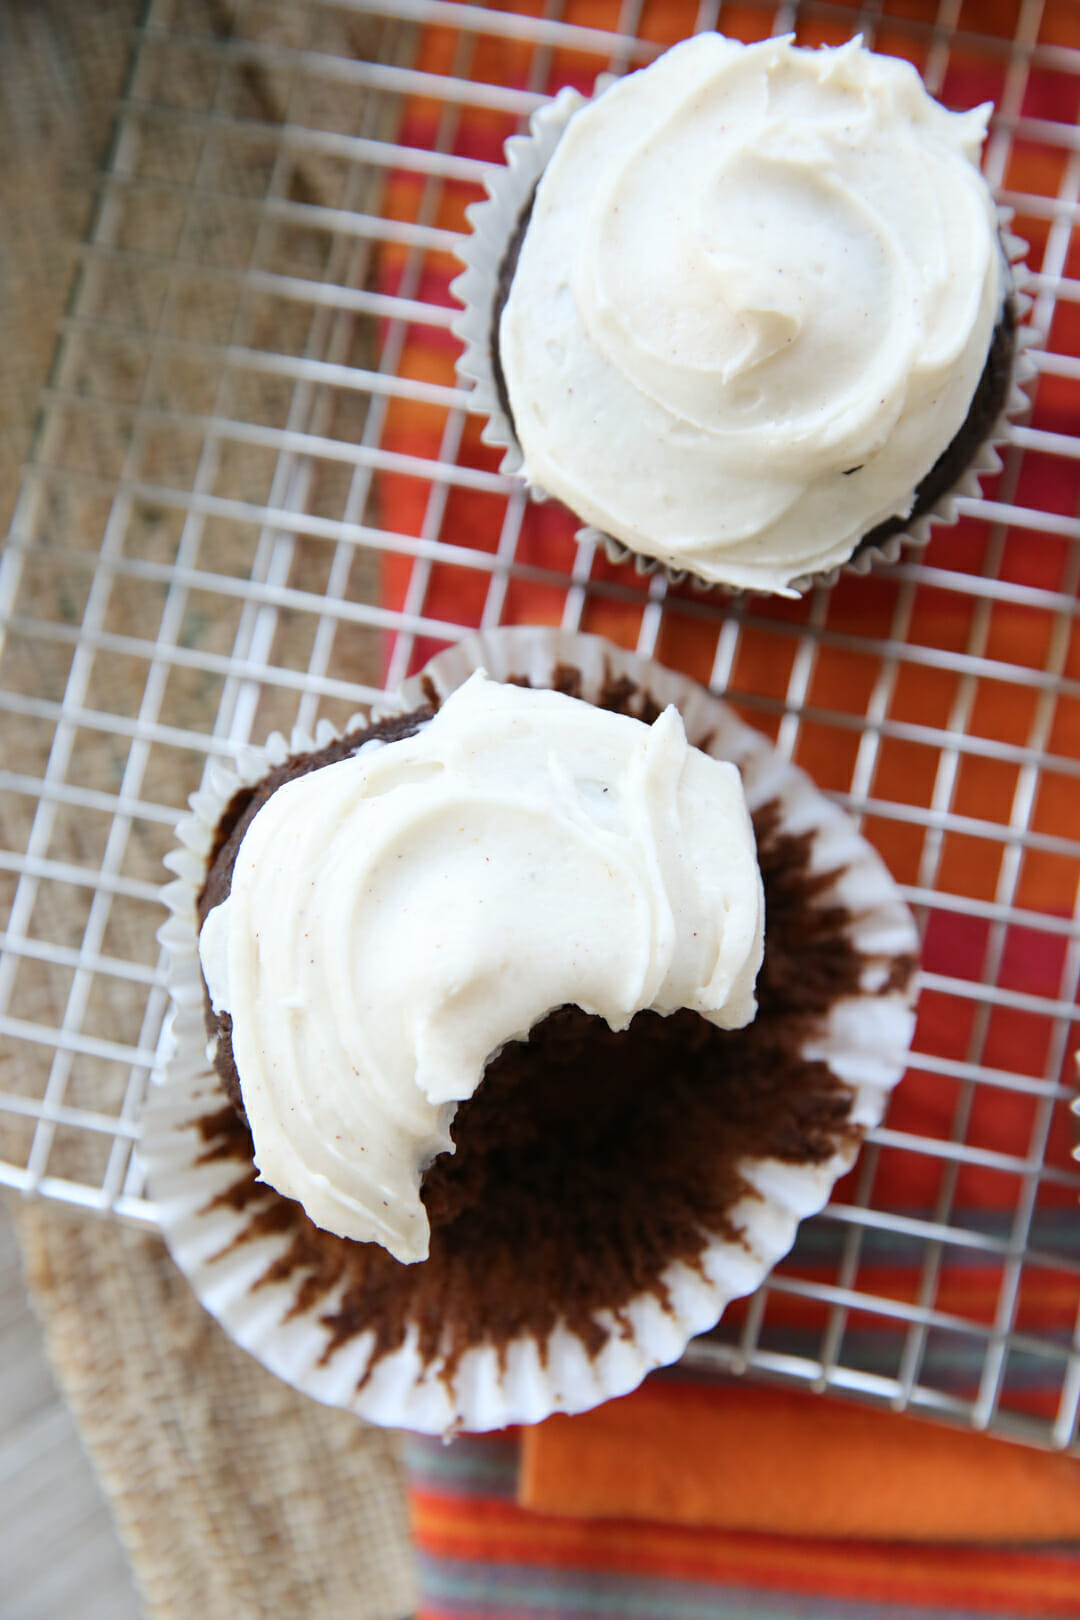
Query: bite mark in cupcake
point(610, 1191)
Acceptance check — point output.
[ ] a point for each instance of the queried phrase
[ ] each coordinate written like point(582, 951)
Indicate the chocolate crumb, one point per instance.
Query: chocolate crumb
point(567, 680)
point(588, 1160)
point(902, 970)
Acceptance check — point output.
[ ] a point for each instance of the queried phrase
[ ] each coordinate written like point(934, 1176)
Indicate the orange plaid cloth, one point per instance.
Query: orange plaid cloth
point(481, 1553)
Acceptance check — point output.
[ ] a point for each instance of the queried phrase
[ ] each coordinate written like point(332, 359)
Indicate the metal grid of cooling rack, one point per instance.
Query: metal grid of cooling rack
point(201, 550)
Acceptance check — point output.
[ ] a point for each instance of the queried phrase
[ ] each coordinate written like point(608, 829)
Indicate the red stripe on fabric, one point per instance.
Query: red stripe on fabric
point(1000, 1582)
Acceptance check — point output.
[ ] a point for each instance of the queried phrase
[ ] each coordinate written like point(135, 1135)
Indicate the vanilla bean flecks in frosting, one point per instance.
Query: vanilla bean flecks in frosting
point(397, 917)
point(752, 305)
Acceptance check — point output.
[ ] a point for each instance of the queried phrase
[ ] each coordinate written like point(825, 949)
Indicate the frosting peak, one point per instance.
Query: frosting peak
point(397, 917)
point(752, 305)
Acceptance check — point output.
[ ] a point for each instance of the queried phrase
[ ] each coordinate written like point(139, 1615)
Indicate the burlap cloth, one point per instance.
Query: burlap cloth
point(235, 1497)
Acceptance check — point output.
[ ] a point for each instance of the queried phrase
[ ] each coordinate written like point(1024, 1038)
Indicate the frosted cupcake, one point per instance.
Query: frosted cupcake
point(509, 1121)
point(377, 927)
point(747, 311)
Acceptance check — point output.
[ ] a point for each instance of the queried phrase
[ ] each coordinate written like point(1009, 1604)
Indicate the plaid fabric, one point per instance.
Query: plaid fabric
point(480, 1554)
point(481, 1557)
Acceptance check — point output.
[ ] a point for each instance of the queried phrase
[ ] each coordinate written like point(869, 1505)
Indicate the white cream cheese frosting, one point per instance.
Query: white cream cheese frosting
point(396, 917)
point(753, 303)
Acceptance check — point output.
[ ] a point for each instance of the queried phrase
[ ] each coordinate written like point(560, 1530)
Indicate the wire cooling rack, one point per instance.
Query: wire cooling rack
point(257, 496)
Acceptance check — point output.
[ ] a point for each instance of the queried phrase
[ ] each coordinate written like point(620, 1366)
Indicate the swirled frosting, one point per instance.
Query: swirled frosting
point(752, 305)
point(397, 917)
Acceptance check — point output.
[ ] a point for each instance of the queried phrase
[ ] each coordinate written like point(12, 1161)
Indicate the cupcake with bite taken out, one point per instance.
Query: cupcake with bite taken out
point(504, 1096)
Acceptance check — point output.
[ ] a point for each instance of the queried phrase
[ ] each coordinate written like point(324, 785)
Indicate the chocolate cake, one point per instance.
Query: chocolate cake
point(589, 1160)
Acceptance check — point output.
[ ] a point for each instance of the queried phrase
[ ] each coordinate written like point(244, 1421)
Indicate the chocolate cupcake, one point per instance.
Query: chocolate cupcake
point(748, 312)
point(600, 1179)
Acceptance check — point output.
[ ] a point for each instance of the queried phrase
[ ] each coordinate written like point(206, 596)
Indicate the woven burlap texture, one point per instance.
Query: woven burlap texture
point(235, 1497)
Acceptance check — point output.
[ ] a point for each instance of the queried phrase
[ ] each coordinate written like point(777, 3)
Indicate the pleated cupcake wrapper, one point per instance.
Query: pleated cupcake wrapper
point(864, 1041)
point(493, 222)
point(509, 186)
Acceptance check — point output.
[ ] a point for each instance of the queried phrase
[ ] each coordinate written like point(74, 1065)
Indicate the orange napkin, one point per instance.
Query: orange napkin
point(787, 1463)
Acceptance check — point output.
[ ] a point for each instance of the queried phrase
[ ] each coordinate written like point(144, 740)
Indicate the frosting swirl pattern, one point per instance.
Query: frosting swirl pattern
point(752, 305)
point(398, 916)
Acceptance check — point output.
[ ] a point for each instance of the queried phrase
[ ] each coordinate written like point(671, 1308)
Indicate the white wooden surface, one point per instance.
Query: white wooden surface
point(59, 1556)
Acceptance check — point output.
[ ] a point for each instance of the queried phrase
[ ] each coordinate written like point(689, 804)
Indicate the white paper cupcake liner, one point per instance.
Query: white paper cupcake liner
point(509, 190)
point(493, 223)
point(864, 1041)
